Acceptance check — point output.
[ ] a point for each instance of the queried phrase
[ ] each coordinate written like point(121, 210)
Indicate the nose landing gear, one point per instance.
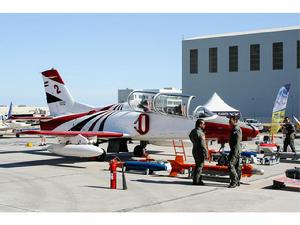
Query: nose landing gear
point(140, 150)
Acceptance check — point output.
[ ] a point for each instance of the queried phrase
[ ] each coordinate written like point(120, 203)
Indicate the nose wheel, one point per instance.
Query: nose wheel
point(139, 151)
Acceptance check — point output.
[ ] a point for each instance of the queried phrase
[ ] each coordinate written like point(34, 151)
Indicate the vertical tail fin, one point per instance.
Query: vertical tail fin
point(59, 99)
point(9, 113)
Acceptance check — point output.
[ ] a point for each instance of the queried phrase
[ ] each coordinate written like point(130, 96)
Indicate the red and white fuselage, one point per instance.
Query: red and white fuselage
point(153, 118)
point(151, 127)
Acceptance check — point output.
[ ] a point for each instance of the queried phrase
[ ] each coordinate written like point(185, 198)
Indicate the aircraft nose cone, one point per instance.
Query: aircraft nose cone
point(254, 131)
point(250, 132)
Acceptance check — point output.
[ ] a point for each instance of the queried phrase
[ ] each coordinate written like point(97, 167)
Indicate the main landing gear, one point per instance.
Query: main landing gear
point(140, 150)
point(102, 157)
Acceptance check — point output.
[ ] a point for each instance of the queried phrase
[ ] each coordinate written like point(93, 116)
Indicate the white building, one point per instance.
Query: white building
point(246, 69)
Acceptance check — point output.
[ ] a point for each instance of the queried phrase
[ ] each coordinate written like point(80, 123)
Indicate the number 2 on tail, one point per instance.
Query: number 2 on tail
point(57, 89)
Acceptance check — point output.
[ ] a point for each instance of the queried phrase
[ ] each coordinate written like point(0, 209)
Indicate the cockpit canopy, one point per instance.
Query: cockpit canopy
point(170, 104)
point(141, 101)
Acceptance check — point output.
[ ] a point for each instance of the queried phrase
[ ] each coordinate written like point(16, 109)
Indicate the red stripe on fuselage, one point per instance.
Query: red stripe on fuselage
point(249, 133)
point(57, 121)
point(106, 107)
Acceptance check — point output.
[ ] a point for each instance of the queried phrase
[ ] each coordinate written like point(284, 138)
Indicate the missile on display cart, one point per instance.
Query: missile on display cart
point(178, 166)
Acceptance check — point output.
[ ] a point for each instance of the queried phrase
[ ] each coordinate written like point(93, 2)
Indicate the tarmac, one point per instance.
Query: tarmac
point(34, 180)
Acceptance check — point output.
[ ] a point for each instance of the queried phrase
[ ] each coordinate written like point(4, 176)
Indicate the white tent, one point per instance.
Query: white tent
point(217, 105)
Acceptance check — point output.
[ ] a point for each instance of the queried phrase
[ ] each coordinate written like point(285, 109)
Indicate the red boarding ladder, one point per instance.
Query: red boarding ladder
point(179, 146)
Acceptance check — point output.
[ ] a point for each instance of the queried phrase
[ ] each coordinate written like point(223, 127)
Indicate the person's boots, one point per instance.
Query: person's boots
point(201, 183)
point(232, 185)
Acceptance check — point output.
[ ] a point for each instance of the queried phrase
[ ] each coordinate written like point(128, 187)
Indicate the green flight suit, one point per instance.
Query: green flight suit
point(290, 133)
point(234, 155)
point(197, 137)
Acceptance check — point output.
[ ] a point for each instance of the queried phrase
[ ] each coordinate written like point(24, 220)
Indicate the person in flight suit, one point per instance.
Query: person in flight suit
point(197, 137)
point(234, 155)
point(290, 132)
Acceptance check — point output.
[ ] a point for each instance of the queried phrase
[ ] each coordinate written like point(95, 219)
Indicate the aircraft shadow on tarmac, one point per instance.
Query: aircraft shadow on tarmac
point(159, 153)
point(179, 182)
point(289, 161)
point(124, 156)
point(121, 156)
point(33, 152)
point(99, 187)
point(61, 162)
point(286, 188)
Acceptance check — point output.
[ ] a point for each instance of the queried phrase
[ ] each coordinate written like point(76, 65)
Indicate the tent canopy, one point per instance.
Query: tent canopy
point(216, 104)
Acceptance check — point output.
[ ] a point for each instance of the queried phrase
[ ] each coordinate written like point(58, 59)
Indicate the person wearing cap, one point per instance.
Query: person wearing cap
point(290, 132)
point(234, 155)
point(200, 152)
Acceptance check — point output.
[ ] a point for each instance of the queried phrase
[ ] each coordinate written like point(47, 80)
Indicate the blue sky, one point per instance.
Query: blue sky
point(98, 53)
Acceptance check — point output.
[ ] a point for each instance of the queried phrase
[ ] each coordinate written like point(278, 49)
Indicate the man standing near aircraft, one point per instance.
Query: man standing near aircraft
point(234, 155)
point(290, 132)
point(197, 137)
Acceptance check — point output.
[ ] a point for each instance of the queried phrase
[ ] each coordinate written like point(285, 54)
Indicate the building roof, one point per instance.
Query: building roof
point(244, 33)
point(23, 109)
point(216, 104)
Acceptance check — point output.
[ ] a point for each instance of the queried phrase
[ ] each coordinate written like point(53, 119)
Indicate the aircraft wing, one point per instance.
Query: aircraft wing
point(30, 118)
point(99, 134)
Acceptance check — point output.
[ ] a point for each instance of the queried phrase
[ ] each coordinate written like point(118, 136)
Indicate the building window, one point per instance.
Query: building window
point(194, 61)
point(213, 60)
point(298, 54)
point(254, 57)
point(233, 58)
point(277, 56)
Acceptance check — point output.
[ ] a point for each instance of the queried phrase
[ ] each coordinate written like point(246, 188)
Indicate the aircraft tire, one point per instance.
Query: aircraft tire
point(139, 151)
point(102, 157)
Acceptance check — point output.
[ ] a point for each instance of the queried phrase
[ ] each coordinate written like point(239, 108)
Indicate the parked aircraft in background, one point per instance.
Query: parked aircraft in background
point(150, 119)
point(9, 124)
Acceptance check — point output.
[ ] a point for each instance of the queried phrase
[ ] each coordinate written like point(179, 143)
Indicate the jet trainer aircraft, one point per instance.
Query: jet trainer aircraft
point(152, 118)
